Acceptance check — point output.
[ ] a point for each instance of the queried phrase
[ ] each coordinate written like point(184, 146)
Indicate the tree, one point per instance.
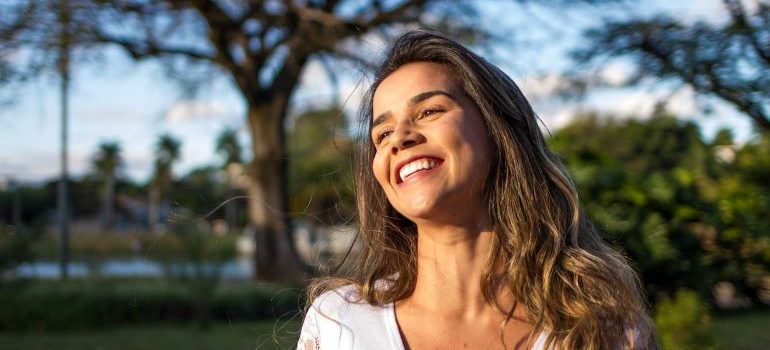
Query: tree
point(320, 167)
point(687, 216)
point(633, 180)
point(730, 60)
point(54, 34)
point(167, 153)
point(13, 22)
point(107, 163)
point(741, 197)
point(263, 47)
point(228, 146)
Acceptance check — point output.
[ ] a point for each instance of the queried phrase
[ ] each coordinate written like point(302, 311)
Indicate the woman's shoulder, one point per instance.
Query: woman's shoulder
point(340, 317)
point(343, 302)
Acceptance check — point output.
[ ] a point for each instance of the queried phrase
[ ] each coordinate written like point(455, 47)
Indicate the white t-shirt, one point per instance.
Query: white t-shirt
point(339, 320)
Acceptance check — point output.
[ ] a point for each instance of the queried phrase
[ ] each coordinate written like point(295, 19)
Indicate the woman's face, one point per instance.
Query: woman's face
point(432, 148)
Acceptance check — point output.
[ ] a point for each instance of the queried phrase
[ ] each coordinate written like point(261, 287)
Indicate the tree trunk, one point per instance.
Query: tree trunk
point(108, 204)
point(275, 256)
point(153, 210)
point(231, 209)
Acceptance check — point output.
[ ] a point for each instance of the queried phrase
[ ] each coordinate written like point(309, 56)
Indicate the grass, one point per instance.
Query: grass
point(735, 331)
point(263, 335)
point(743, 330)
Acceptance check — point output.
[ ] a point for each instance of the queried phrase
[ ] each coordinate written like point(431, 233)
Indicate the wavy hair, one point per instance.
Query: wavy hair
point(545, 249)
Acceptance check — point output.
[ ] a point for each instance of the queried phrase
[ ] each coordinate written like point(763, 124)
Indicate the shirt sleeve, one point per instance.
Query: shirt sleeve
point(310, 334)
point(325, 326)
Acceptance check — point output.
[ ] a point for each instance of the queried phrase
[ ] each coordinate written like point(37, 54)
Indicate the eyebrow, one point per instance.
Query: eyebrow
point(383, 117)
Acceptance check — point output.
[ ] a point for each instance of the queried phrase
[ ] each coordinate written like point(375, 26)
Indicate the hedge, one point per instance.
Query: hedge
point(51, 304)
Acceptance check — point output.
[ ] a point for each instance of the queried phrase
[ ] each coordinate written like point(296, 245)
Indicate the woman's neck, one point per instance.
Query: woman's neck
point(450, 262)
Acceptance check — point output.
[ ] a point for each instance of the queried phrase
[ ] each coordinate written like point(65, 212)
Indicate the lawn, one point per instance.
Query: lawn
point(748, 330)
point(264, 335)
point(738, 331)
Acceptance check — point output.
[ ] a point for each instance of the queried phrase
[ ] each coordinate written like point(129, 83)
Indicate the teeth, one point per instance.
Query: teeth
point(415, 166)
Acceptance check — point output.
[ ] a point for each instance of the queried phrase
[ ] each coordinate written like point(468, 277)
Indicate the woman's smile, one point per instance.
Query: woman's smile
point(413, 170)
point(431, 142)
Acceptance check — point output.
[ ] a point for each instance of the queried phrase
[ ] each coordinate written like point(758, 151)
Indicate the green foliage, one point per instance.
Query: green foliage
point(742, 202)
point(94, 303)
point(168, 247)
point(202, 257)
point(320, 167)
point(687, 215)
point(199, 192)
point(633, 177)
point(235, 335)
point(15, 248)
point(684, 322)
point(742, 329)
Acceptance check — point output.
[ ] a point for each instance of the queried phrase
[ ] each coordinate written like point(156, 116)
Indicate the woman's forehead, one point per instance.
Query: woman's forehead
point(410, 80)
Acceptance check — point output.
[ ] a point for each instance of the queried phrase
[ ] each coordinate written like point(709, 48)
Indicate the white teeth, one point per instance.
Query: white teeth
point(415, 166)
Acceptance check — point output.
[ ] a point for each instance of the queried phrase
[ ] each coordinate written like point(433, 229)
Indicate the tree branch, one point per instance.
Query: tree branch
point(147, 49)
point(716, 86)
point(742, 25)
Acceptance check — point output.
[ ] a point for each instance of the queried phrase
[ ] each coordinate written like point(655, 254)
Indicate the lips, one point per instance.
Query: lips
point(415, 165)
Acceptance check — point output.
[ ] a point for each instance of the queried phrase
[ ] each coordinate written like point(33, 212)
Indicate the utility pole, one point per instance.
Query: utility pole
point(63, 67)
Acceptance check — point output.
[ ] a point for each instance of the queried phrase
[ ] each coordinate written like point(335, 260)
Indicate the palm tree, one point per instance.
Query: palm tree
point(107, 163)
point(167, 150)
point(228, 146)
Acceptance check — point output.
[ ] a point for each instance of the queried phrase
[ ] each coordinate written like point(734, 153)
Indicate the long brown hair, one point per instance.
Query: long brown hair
point(545, 250)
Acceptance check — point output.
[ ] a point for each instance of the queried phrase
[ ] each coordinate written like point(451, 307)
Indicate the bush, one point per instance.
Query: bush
point(97, 245)
point(15, 248)
point(684, 322)
point(48, 305)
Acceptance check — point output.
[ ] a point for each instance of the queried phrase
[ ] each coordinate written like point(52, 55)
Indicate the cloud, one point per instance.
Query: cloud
point(683, 103)
point(111, 113)
point(616, 73)
point(36, 167)
point(541, 86)
point(620, 103)
point(137, 163)
point(187, 110)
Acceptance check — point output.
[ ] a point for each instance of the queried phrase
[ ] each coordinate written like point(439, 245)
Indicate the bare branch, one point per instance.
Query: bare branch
point(148, 49)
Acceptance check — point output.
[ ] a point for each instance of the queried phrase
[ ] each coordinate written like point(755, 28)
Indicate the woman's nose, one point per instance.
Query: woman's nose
point(405, 136)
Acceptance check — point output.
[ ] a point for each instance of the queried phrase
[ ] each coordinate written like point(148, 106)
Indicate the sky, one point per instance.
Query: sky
point(117, 99)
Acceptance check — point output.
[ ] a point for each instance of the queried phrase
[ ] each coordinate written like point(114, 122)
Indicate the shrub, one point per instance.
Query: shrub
point(684, 322)
point(15, 248)
point(48, 305)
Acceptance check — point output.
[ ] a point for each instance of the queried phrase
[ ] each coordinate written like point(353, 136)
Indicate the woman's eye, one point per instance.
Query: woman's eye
point(381, 136)
point(430, 111)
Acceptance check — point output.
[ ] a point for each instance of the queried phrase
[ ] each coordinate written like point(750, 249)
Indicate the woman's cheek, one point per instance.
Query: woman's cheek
point(379, 168)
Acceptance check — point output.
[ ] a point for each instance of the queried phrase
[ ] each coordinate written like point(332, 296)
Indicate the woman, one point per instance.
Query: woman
point(473, 236)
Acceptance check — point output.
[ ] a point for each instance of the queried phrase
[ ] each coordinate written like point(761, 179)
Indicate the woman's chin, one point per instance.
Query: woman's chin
point(417, 212)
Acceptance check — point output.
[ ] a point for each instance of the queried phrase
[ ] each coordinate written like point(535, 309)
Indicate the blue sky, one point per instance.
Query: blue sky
point(133, 103)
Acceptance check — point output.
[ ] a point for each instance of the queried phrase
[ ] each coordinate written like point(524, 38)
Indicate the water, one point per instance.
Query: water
point(236, 269)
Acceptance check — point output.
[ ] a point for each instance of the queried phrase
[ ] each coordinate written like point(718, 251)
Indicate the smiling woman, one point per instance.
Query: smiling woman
point(473, 235)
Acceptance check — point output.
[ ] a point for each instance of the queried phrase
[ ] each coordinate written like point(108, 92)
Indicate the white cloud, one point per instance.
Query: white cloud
point(541, 86)
point(616, 73)
point(683, 103)
point(137, 163)
point(39, 166)
point(111, 113)
point(186, 110)
point(315, 77)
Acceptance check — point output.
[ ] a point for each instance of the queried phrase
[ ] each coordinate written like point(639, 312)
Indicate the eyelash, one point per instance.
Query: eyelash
point(381, 136)
point(430, 111)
